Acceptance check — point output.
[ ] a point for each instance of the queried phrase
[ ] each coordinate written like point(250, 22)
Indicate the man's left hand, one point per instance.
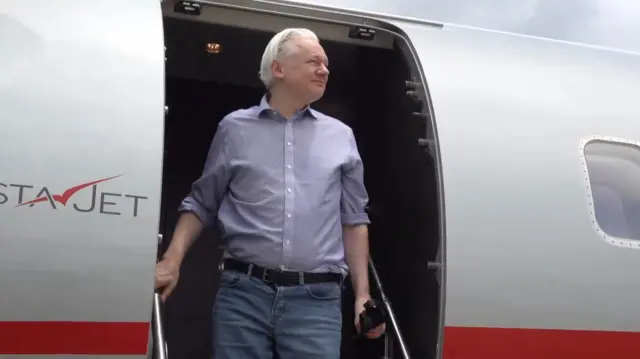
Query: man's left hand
point(374, 332)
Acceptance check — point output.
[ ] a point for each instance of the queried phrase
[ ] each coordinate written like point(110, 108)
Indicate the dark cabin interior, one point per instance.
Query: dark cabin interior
point(366, 91)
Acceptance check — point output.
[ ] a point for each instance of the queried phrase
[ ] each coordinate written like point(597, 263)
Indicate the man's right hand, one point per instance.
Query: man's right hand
point(167, 272)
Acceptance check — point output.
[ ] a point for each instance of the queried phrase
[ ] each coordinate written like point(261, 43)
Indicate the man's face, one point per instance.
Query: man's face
point(303, 72)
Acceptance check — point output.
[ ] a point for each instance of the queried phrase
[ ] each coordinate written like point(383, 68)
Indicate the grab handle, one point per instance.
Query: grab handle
point(159, 341)
point(160, 344)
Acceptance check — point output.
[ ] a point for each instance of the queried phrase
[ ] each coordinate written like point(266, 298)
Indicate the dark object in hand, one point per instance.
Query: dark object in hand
point(373, 316)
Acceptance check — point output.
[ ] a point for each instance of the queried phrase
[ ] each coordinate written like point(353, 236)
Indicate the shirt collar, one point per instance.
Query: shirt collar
point(264, 107)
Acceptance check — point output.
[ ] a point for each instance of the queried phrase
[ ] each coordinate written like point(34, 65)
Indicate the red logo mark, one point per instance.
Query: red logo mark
point(67, 194)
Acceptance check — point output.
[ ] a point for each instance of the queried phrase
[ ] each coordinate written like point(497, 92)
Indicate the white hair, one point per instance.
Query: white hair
point(277, 48)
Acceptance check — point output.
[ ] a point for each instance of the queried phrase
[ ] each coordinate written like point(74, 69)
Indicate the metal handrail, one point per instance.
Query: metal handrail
point(159, 343)
point(392, 322)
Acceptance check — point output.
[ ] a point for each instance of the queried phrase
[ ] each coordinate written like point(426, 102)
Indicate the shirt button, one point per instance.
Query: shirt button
point(288, 215)
point(289, 166)
point(286, 242)
point(288, 143)
point(288, 189)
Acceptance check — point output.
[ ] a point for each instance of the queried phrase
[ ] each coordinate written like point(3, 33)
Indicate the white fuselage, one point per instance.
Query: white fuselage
point(82, 99)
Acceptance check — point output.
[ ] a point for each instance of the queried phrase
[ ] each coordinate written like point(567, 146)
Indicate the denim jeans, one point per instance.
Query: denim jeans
point(255, 320)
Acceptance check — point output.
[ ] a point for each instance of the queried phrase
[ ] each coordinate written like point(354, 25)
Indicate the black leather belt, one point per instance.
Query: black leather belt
point(279, 277)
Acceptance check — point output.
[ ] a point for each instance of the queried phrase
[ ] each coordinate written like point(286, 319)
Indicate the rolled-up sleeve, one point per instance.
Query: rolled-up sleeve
point(354, 198)
point(208, 190)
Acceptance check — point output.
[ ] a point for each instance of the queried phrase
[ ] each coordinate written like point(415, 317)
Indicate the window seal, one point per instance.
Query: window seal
point(629, 243)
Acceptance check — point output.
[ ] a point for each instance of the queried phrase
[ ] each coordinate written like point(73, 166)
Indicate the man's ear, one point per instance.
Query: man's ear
point(276, 70)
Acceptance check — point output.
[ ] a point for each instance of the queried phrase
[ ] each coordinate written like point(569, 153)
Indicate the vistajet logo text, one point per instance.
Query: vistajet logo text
point(109, 203)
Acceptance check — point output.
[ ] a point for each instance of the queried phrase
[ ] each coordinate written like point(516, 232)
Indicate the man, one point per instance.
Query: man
point(285, 183)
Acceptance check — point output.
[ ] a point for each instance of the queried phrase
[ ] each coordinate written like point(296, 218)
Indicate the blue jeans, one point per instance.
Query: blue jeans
point(255, 320)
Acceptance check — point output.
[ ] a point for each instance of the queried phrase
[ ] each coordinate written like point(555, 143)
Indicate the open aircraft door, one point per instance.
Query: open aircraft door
point(414, 38)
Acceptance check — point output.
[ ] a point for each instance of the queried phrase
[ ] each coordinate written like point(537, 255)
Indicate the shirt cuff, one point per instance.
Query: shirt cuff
point(355, 219)
point(203, 215)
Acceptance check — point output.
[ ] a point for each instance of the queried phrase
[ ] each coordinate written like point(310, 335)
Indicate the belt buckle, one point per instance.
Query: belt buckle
point(265, 275)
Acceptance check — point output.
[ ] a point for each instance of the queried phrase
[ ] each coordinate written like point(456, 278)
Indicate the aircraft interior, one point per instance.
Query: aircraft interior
point(366, 90)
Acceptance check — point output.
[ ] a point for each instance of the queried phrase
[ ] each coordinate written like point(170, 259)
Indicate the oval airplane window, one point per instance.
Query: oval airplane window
point(612, 169)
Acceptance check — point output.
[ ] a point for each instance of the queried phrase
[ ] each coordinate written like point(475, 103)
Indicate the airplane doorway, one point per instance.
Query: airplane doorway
point(367, 91)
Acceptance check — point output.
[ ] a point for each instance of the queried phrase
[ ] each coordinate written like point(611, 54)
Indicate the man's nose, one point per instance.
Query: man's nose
point(323, 70)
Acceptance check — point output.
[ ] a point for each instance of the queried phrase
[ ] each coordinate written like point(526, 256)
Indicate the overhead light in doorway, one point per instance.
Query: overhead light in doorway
point(188, 8)
point(213, 48)
point(362, 33)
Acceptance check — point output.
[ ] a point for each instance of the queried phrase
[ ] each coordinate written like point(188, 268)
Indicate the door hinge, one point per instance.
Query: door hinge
point(427, 144)
point(421, 115)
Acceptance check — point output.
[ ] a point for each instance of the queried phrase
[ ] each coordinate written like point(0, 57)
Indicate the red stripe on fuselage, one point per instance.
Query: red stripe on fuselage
point(508, 343)
point(117, 338)
point(89, 338)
